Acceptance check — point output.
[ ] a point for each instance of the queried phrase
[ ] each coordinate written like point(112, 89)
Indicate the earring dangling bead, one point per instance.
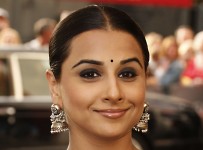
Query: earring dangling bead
point(142, 125)
point(58, 120)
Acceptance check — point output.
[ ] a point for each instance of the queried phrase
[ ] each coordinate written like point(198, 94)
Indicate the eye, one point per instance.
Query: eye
point(127, 74)
point(89, 74)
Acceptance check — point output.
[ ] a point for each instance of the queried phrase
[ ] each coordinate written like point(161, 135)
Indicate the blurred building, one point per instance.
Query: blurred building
point(163, 17)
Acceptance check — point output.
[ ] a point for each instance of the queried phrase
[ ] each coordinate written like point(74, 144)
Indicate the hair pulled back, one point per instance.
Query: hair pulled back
point(90, 18)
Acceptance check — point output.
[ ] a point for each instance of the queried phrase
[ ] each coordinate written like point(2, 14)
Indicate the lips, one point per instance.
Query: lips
point(112, 113)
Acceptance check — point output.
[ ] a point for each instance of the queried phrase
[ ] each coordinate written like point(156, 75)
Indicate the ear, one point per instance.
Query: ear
point(54, 88)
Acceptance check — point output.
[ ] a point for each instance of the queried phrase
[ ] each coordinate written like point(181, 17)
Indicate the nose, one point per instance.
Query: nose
point(113, 91)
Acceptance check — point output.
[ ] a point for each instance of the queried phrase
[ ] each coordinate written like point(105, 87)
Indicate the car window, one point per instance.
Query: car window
point(33, 76)
point(4, 77)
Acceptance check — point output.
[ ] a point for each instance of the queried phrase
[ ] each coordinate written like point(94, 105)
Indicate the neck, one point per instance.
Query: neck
point(80, 142)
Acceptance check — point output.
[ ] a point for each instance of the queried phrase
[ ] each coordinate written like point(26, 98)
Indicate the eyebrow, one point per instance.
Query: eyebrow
point(96, 62)
point(88, 61)
point(134, 59)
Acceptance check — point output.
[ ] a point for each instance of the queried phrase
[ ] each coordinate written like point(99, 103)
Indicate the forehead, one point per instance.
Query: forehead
point(105, 43)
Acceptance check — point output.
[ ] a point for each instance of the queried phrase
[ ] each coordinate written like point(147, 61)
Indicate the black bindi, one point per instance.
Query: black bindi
point(111, 60)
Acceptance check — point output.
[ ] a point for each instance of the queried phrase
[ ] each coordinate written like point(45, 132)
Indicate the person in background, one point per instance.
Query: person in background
point(43, 29)
point(183, 33)
point(198, 60)
point(97, 78)
point(64, 14)
point(9, 37)
point(170, 67)
point(187, 54)
point(154, 41)
point(4, 19)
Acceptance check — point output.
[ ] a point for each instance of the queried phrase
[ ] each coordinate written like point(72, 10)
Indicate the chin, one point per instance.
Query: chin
point(114, 133)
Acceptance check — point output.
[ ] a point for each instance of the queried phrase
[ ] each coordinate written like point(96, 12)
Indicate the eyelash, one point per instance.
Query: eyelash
point(126, 74)
point(89, 74)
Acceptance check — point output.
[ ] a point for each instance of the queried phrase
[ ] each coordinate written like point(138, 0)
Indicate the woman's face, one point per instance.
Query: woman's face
point(102, 85)
point(172, 51)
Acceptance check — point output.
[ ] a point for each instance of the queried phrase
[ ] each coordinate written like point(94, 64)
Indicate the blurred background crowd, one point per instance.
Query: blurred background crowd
point(176, 58)
point(176, 55)
point(42, 30)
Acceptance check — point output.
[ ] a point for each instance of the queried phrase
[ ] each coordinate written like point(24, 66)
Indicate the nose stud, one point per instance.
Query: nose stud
point(111, 60)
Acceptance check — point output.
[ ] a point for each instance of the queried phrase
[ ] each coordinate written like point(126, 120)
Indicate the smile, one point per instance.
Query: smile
point(112, 113)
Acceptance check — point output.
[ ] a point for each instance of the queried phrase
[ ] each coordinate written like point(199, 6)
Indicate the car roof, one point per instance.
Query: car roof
point(20, 48)
point(164, 101)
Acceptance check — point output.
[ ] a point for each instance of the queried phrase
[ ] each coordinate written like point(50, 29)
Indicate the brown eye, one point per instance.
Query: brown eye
point(89, 74)
point(127, 73)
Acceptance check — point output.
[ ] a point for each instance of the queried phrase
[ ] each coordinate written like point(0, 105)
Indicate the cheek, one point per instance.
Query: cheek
point(136, 95)
point(72, 96)
point(76, 96)
point(137, 90)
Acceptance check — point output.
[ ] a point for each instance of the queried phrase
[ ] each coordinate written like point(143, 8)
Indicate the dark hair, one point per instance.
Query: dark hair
point(89, 18)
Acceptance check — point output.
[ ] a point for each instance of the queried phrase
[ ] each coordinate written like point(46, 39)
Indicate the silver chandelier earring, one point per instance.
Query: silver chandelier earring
point(143, 123)
point(58, 119)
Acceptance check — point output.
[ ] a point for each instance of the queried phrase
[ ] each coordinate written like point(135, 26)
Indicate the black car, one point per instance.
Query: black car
point(25, 111)
point(174, 124)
